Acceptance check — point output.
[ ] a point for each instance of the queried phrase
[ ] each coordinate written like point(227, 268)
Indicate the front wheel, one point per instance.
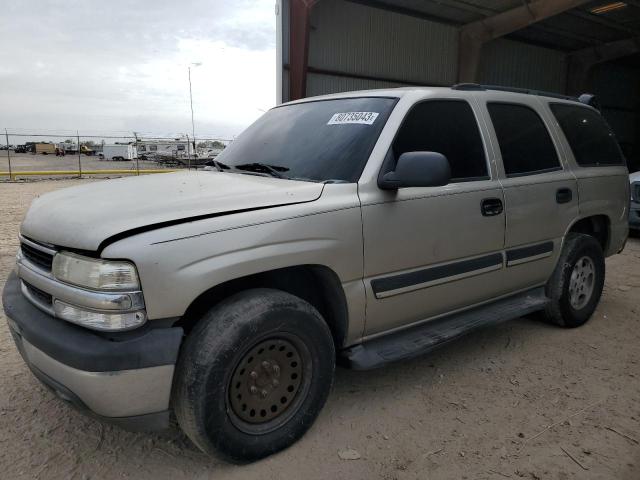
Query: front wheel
point(253, 374)
point(576, 284)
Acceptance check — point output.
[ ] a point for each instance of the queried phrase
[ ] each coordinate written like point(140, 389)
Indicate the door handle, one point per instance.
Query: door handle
point(564, 195)
point(491, 207)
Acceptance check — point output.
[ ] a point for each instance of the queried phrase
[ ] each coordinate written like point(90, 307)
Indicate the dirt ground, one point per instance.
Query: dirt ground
point(521, 400)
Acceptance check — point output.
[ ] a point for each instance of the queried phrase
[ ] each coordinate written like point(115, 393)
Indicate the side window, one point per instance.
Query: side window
point(447, 127)
point(153, 148)
point(525, 144)
point(590, 138)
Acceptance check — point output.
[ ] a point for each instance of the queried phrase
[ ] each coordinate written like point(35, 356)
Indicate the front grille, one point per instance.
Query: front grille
point(43, 297)
point(38, 257)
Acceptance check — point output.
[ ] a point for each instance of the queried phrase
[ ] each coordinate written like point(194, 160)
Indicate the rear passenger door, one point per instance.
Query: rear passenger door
point(540, 191)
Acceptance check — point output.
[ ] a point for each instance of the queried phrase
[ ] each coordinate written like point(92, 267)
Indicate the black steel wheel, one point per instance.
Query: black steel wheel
point(268, 384)
point(253, 374)
point(577, 281)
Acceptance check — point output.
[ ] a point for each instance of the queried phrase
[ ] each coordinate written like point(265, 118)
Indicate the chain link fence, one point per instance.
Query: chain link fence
point(53, 155)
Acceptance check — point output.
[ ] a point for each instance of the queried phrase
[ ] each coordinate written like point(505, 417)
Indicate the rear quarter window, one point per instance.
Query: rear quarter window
point(590, 138)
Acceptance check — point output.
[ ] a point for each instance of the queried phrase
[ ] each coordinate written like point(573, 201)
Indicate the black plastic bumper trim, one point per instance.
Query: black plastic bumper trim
point(83, 349)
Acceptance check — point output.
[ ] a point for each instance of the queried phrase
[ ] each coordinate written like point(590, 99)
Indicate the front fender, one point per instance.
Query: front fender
point(178, 263)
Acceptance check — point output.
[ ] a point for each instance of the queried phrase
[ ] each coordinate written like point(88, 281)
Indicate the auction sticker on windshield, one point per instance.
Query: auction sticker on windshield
point(364, 118)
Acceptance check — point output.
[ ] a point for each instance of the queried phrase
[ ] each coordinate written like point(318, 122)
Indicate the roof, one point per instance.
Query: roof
point(402, 91)
point(576, 29)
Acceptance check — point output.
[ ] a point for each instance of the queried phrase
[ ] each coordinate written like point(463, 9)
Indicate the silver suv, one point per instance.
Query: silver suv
point(365, 227)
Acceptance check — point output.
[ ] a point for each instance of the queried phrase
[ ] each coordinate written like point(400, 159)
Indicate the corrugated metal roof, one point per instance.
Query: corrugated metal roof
point(351, 38)
point(324, 84)
point(516, 64)
point(353, 47)
point(573, 30)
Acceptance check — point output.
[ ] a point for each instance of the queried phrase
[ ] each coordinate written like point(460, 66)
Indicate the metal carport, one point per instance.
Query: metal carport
point(564, 46)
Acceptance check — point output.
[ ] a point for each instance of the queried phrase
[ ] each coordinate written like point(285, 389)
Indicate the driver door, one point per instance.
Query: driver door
point(433, 250)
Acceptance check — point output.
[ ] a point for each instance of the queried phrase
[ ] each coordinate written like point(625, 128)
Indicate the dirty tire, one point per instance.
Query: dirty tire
point(560, 310)
point(218, 349)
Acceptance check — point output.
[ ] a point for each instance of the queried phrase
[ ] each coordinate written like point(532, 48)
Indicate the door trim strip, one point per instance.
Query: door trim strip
point(517, 256)
point(431, 276)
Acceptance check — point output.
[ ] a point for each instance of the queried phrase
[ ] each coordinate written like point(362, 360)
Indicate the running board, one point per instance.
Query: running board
point(414, 341)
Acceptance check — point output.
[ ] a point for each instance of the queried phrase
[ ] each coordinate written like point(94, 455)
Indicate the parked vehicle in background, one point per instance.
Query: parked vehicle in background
point(118, 152)
point(72, 148)
point(162, 148)
point(86, 150)
point(20, 149)
point(634, 209)
point(368, 227)
point(44, 148)
point(68, 148)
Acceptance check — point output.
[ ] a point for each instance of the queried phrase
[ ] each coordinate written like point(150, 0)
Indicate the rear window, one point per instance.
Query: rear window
point(524, 141)
point(590, 138)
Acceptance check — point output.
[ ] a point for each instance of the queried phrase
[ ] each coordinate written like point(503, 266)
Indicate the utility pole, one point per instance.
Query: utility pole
point(135, 134)
point(188, 155)
point(8, 154)
point(79, 162)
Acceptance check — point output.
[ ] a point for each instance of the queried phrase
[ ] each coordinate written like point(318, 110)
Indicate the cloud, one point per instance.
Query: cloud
point(115, 65)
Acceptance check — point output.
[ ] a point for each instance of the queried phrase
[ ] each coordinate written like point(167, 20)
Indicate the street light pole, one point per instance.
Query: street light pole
point(193, 128)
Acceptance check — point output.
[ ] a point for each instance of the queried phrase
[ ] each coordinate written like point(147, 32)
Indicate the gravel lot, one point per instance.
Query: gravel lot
point(521, 400)
point(25, 162)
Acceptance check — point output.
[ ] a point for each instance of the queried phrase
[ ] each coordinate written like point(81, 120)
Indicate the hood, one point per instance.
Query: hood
point(83, 217)
point(634, 177)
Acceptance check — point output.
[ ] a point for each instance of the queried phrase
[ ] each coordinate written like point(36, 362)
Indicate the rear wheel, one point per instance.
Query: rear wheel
point(253, 374)
point(576, 284)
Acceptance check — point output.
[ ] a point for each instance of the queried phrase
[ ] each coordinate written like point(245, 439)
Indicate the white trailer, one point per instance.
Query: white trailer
point(118, 152)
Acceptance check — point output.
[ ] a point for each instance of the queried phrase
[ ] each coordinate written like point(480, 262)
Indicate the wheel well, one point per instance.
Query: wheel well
point(597, 226)
point(316, 284)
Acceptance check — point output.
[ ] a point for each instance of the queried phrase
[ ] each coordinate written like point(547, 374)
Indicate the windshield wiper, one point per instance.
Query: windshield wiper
point(273, 170)
point(219, 165)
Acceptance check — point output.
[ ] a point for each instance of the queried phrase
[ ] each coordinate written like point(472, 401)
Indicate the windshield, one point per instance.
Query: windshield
point(328, 140)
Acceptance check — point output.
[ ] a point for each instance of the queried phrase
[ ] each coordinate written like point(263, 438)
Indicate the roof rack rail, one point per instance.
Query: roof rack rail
point(530, 91)
point(467, 86)
point(586, 98)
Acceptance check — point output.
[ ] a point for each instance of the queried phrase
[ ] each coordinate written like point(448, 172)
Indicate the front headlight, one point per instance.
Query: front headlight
point(95, 273)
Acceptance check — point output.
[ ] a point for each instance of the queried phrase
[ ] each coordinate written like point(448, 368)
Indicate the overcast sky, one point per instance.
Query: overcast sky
point(112, 66)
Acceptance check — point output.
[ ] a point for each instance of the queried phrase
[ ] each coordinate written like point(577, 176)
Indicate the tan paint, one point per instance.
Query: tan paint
point(357, 230)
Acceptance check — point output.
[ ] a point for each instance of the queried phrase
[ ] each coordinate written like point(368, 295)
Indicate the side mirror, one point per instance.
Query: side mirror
point(417, 169)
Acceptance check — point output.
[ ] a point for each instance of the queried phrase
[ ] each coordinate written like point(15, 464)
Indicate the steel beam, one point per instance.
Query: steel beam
point(590, 17)
point(475, 34)
point(581, 62)
point(485, 11)
point(299, 17)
